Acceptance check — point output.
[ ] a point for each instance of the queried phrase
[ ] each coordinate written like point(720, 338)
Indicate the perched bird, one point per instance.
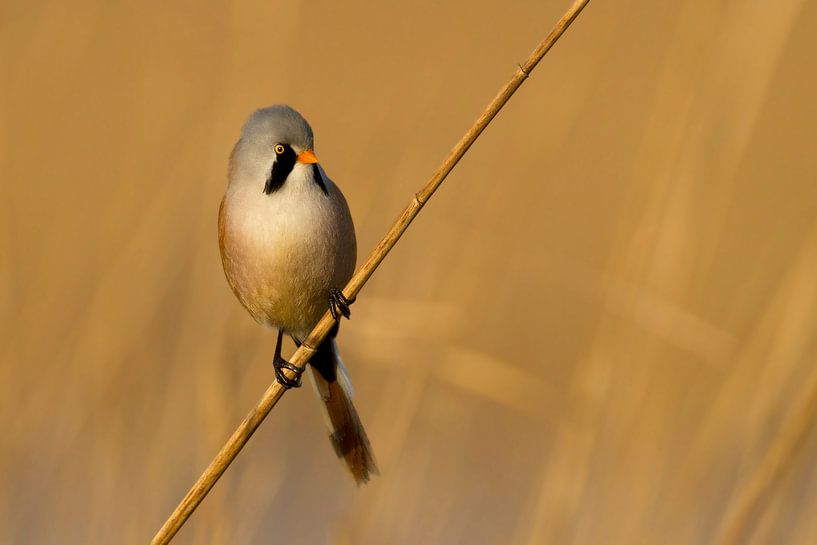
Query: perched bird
point(287, 246)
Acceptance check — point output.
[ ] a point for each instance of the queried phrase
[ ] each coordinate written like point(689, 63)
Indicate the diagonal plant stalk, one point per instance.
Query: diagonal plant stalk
point(301, 357)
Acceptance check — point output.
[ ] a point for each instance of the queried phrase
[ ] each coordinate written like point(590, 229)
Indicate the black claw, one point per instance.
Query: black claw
point(339, 304)
point(280, 364)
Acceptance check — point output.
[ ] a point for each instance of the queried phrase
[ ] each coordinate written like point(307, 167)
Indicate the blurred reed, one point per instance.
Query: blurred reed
point(645, 300)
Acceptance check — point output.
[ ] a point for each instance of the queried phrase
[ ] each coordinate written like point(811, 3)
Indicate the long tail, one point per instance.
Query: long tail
point(345, 429)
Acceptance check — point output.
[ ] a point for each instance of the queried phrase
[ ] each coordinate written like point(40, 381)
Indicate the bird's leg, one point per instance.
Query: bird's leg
point(280, 364)
point(339, 304)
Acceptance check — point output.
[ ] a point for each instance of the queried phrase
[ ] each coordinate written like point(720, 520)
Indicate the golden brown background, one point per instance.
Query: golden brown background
point(601, 330)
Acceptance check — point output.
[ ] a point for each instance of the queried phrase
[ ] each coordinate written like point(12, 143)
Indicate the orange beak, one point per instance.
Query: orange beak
point(307, 157)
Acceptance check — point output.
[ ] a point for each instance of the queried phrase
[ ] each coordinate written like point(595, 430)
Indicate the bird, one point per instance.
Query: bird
point(288, 245)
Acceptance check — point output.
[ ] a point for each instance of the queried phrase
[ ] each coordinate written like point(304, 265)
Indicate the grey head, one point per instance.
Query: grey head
point(279, 123)
point(275, 142)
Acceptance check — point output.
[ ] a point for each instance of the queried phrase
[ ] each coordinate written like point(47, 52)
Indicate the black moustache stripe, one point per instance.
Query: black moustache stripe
point(316, 176)
point(283, 165)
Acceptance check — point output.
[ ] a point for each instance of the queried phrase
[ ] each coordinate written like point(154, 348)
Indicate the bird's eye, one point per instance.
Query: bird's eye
point(279, 149)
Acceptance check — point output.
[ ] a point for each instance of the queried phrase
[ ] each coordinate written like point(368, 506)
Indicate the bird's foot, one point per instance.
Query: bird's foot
point(280, 364)
point(339, 304)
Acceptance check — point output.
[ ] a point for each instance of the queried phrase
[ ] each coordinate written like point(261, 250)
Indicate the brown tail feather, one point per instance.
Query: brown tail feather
point(345, 429)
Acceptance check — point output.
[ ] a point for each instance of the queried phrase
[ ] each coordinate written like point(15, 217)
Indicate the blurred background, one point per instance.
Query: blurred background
point(602, 329)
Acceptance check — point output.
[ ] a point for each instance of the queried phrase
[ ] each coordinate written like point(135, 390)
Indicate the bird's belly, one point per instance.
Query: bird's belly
point(281, 263)
point(289, 286)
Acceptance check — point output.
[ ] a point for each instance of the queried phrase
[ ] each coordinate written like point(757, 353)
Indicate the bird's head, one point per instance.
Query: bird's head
point(276, 144)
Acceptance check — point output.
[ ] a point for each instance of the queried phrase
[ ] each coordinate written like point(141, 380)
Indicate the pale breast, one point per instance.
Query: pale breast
point(283, 252)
